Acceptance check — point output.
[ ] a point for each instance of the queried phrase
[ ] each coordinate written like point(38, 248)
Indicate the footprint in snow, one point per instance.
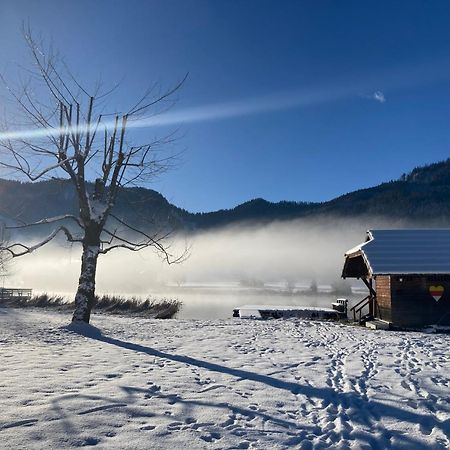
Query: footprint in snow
point(211, 437)
point(102, 408)
point(19, 423)
point(113, 375)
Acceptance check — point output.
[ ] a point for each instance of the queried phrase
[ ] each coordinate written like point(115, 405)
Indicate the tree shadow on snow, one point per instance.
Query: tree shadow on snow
point(154, 391)
point(128, 405)
point(358, 409)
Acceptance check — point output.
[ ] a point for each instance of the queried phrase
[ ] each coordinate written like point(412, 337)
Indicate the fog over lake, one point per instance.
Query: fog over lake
point(237, 265)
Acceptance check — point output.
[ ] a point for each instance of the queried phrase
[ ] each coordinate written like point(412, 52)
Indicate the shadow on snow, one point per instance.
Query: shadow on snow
point(362, 411)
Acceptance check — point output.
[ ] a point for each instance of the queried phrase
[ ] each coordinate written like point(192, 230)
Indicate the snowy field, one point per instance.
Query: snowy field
point(228, 384)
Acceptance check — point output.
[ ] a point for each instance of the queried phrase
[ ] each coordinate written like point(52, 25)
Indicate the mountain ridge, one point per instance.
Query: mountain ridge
point(421, 194)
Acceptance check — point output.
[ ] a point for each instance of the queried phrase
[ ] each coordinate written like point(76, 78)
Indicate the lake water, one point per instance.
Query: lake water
point(219, 304)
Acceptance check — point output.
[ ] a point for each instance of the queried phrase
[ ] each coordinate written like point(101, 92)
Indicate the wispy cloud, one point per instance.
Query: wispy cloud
point(379, 97)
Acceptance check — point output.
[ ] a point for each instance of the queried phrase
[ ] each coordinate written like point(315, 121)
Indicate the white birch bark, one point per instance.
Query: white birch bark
point(85, 296)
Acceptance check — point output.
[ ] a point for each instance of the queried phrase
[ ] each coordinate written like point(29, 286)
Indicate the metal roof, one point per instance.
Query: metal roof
point(407, 251)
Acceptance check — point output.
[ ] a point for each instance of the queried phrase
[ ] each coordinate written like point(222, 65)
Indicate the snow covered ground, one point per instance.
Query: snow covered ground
point(228, 384)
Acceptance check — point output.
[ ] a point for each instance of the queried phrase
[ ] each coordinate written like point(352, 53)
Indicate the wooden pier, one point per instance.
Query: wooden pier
point(15, 293)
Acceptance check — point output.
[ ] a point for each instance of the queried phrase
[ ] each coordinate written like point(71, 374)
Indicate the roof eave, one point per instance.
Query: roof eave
point(411, 273)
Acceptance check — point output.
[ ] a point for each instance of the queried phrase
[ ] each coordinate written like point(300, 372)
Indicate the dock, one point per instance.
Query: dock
point(278, 312)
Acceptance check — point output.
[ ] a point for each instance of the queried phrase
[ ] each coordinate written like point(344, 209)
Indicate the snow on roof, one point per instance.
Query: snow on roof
point(284, 308)
point(406, 251)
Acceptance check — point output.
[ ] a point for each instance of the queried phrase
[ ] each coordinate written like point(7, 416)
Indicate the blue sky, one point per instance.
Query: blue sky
point(285, 100)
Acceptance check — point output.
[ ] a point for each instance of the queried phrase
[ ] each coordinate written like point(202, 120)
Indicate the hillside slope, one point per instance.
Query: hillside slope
point(422, 194)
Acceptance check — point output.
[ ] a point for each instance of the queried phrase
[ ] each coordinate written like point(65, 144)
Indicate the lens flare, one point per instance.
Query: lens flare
point(219, 111)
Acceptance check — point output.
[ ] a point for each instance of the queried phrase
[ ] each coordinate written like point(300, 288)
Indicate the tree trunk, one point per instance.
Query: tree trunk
point(85, 297)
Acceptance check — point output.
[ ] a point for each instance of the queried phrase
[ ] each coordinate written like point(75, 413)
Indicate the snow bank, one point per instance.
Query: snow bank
point(277, 311)
point(128, 383)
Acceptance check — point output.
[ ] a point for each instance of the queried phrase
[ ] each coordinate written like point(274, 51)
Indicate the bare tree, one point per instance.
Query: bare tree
point(73, 138)
point(5, 257)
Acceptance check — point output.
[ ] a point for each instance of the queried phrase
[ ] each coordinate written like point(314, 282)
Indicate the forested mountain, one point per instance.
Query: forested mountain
point(422, 194)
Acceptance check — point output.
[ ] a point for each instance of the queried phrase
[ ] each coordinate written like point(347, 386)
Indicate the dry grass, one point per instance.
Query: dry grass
point(110, 304)
point(158, 308)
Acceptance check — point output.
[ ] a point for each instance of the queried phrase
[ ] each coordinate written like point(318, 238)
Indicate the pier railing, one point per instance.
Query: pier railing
point(15, 293)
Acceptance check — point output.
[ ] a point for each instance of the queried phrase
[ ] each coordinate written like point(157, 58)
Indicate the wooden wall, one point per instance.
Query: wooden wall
point(412, 303)
point(383, 290)
point(406, 300)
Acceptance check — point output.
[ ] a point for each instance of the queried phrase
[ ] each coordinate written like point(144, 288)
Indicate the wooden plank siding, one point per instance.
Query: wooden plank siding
point(406, 300)
point(383, 288)
point(412, 303)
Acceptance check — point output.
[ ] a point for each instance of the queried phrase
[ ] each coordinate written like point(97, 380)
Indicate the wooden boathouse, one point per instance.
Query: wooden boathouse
point(407, 274)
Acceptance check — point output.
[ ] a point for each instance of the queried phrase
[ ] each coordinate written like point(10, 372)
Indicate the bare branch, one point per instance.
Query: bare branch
point(47, 221)
point(150, 241)
point(159, 98)
point(25, 249)
point(28, 172)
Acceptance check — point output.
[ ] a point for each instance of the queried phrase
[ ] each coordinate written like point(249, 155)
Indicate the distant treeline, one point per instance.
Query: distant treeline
point(422, 194)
